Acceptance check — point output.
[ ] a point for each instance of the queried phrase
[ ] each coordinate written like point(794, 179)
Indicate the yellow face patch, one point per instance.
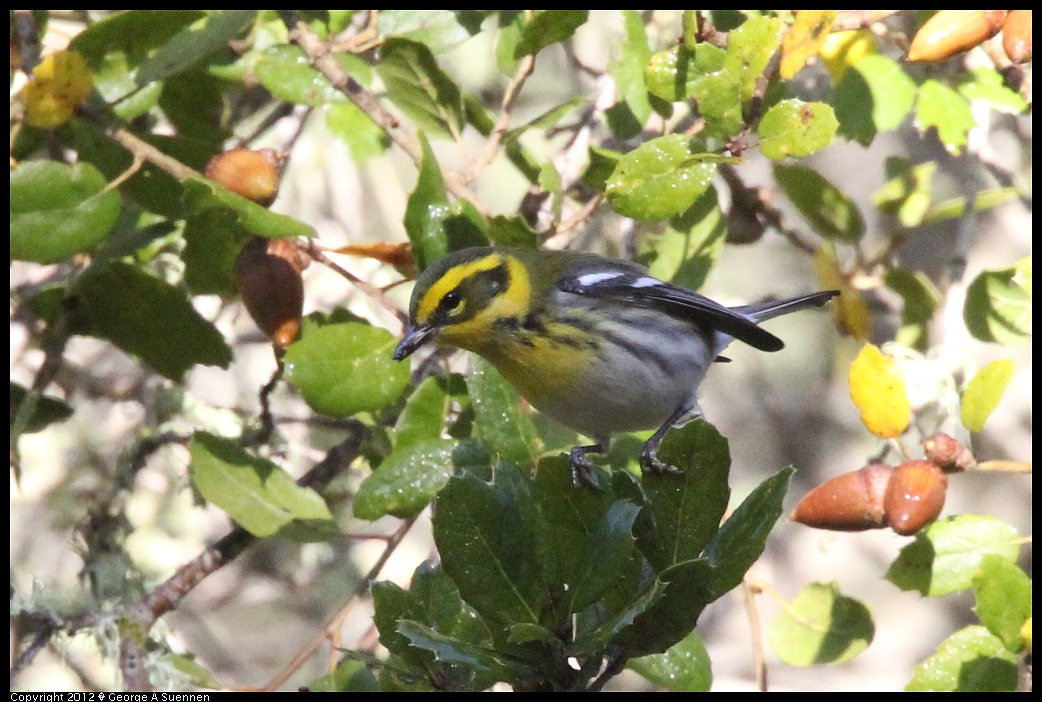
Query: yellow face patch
point(463, 280)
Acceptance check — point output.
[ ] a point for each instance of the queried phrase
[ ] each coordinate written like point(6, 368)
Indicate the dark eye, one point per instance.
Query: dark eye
point(451, 300)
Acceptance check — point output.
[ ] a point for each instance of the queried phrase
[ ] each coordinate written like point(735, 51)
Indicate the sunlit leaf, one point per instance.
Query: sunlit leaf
point(878, 389)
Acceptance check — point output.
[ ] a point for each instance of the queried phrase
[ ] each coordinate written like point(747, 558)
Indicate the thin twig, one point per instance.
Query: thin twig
point(524, 70)
point(859, 19)
point(749, 591)
point(337, 619)
point(368, 288)
point(320, 55)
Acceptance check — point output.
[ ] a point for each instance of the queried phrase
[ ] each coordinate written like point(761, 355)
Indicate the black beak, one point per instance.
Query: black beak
point(415, 337)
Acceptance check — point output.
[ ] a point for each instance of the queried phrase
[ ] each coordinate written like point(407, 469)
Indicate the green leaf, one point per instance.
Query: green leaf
point(48, 410)
point(194, 44)
point(679, 73)
point(722, 94)
point(407, 480)
point(997, 308)
point(58, 211)
point(417, 85)
point(920, 299)
point(983, 393)
point(970, 660)
point(363, 138)
point(447, 649)
point(150, 319)
point(661, 178)
point(988, 84)
point(261, 497)
point(135, 33)
point(565, 520)
point(692, 242)
point(686, 510)
point(946, 555)
point(685, 667)
point(288, 75)
point(628, 71)
point(982, 201)
point(424, 416)
point(796, 128)
point(441, 30)
point(945, 110)
point(875, 95)
point(548, 27)
point(684, 590)
point(907, 190)
point(741, 539)
point(427, 207)
point(206, 194)
point(826, 208)
point(486, 549)
point(434, 226)
point(345, 368)
point(349, 676)
point(213, 240)
point(499, 420)
point(609, 547)
point(821, 625)
point(1003, 593)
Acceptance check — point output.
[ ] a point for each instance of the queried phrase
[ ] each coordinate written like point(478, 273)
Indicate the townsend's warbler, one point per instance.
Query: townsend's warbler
point(597, 344)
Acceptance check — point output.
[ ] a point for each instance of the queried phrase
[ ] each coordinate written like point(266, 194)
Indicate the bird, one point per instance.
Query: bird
point(597, 344)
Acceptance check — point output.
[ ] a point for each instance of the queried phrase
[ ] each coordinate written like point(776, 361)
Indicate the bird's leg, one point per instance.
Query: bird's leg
point(649, 460)
point(582, 467)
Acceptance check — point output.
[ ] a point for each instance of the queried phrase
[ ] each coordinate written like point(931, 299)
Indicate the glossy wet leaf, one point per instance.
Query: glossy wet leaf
point(685, 667)
point(344, 368)
point(407, 480)
point(661, 178)
point(794, 128)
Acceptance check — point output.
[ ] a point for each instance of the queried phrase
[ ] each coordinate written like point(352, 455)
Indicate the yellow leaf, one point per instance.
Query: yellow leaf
point(850, 308)
point(58, 86)
point(804, 39)
point(844, 49)
point(878, 389)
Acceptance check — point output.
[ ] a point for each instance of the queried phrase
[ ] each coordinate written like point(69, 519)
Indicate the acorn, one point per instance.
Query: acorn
point(252, 174)
point(1016, 36)
point(850, 502)
point(914, 496)
point(951, 32)
point(948, 454)
point(267, 274)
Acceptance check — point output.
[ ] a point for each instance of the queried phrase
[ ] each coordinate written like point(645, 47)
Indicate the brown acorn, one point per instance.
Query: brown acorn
point(849, 502)
point(267, 274)
point(950, 32)
point(1016, 36)
point(252, 174)
point(915, 496)
point(948, 454)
